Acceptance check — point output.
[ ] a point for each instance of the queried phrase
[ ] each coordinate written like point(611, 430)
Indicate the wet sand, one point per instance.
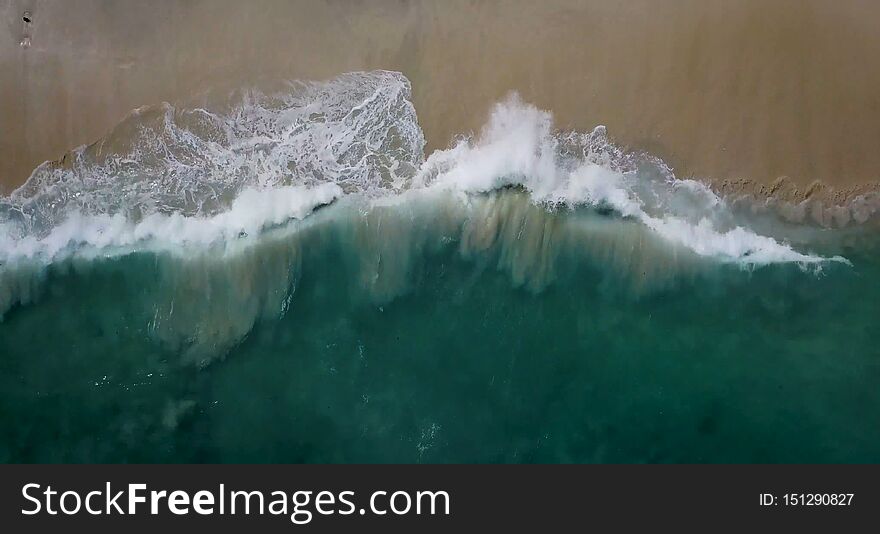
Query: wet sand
point(736, 92)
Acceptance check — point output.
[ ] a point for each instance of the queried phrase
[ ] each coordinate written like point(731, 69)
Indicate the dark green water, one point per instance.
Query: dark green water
point(408, 335)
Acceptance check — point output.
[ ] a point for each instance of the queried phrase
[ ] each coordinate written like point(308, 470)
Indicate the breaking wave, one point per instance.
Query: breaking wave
point(189, 176)
point(221, 197)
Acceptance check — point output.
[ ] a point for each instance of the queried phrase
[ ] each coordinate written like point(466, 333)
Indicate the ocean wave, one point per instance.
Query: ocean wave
point(519, 147)
point(196, 181)
point(220, 203)
point(251, 212)
point(173, 177)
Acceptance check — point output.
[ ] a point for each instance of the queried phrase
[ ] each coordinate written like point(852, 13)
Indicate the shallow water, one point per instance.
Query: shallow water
point(528, 295)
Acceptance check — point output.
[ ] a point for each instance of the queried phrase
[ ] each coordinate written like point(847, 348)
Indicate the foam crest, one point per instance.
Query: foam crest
point(252, 211)
point(519, 147)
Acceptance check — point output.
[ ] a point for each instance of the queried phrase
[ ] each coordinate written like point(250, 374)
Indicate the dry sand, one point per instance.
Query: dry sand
point(737, 92)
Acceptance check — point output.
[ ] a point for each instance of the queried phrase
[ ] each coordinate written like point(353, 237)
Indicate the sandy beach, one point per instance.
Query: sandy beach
point(739, 93)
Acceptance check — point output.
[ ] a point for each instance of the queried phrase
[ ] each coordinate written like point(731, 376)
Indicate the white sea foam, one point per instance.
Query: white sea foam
point(358, 131)
point(518, 147)
point(179, 177)
point(252, 211)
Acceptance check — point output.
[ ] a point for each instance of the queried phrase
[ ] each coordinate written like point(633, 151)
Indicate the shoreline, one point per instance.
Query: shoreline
point(818, 203)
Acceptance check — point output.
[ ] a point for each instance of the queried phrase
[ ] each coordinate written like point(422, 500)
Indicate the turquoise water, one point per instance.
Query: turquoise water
point(445, 353)
point(287, 277)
